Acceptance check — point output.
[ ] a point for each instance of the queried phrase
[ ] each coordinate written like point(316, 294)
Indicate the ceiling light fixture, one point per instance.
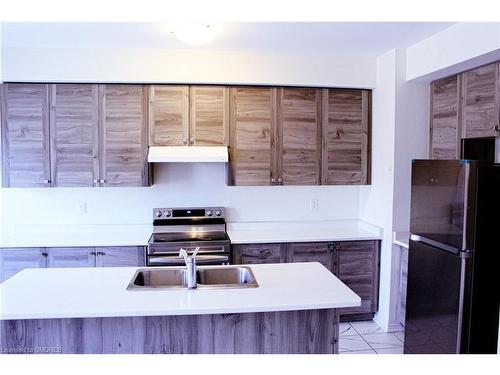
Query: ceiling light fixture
point(195, 33)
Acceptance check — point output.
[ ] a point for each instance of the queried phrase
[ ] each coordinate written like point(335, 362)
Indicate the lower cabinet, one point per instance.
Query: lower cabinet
point(356, 263)
point(358, 268)
point(13, 260)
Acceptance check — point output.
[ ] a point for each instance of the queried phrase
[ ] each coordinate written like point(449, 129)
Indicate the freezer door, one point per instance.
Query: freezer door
point(437, 301)
point(443, 201)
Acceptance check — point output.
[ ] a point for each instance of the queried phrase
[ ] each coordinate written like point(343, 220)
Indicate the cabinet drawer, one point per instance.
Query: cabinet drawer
point(257, 253)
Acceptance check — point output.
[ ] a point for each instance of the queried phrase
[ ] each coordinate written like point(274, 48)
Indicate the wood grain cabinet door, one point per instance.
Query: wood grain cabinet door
point(252, 144)
point(481, 101)
point(74, 135)
point(358, 269)
point(13, 260)
point(69, 257)
point(322, 252)
point(25, 135)
point(168, 115)
point(258, 253)
point(445, 125)
point(209, 115)
point(123, 136)
point(345, 137)
point(299, 136)
point(124, 256)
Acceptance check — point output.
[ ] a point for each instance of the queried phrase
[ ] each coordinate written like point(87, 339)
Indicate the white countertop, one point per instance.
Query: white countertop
point(76, 236)
point(308, 231)
point(138, 235)
point(101, 292)
point(402, 239)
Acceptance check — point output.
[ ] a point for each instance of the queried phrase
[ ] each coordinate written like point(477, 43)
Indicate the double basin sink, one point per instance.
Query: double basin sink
point(207, 278)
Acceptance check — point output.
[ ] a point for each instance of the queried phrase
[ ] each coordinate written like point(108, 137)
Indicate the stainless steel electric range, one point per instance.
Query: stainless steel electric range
point(188, 228)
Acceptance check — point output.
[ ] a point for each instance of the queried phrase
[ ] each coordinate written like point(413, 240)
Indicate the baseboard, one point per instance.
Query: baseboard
point(392, 327)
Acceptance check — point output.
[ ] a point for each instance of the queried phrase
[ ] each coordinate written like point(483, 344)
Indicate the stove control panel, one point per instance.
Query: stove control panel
point(188, 213)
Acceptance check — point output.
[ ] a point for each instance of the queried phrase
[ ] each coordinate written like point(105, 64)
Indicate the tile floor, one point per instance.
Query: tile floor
point(369, 338)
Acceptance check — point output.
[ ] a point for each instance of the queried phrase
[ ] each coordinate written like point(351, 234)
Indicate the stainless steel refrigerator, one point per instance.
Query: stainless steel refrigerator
point(453, 290)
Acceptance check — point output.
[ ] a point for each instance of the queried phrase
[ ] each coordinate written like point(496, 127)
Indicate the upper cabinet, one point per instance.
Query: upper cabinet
point(123, 136)
point(25, 135)
point(251, 138)
point(299, 136)
point(74, 135)
point(188, 115)
point(168, 115)
point(445, 124)
point(209, 115)
point(466, 105)
point(298, 130)
point(481, 102)
point(346, 125)
point(98, 135)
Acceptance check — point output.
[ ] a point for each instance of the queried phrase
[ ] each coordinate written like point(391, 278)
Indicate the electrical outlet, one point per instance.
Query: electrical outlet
point(313, 204)
point(82, 207)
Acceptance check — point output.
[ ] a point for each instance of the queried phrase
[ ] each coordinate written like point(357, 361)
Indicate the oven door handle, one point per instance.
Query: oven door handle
point(176, 261)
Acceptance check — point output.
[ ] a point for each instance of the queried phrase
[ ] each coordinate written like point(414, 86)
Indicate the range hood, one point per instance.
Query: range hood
point(188, 154)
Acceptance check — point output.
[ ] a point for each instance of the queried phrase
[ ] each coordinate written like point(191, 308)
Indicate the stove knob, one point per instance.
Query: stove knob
point(209, 213)
point(158, 213)
point(168, 213)
point(218, 213)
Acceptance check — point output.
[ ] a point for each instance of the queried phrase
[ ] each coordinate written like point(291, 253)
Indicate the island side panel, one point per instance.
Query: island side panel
point(301, 332)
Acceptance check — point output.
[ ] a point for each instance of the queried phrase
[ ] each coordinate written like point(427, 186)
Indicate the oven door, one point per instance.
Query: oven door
point(173, 248)
point(175, 260)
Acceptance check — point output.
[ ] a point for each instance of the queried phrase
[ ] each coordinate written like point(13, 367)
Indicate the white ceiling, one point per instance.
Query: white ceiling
point(339, 38)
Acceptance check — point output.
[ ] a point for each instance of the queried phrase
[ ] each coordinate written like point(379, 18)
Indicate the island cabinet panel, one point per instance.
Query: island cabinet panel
point(251, 137)
point(123, 136)
point(209, 116)
point(298, 134)
point(69, 257)
point(284, 332)
point(259, 253)
point(168, 115)
point(74, 135)
point(13, 260)
point(125, 256)
point(345, 128)
point(358, 268)
point(445, 119)
point(322, 252)
point(25, 135)
point(481, 102)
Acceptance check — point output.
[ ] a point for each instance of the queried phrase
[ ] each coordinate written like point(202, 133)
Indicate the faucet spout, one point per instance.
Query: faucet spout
point(191, 267)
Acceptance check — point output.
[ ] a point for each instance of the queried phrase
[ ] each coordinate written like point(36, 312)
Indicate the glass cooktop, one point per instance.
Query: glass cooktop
point(189, 236)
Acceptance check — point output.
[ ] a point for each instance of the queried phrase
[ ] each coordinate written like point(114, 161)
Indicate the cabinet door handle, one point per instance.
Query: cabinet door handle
point(273, 180)
point(193, 141)
point(44, 254)
point(185, 141)
point(280, 180)
point(46, 181)
point(92, 253)
point(102, 181)
point(101, 253)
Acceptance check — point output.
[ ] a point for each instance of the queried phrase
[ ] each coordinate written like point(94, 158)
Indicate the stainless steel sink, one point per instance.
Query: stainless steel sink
point(207, 277)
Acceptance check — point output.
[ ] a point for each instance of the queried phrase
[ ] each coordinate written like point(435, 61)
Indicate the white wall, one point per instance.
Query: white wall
point(376, 201)
point(176, 185)
point(186, 66)
point(460, 47)
point(400, 133)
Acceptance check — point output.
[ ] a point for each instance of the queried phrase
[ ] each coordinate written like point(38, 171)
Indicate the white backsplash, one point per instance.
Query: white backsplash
point(177, 185)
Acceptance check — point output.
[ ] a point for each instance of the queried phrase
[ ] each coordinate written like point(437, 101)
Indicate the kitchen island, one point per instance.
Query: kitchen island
point(90, 310)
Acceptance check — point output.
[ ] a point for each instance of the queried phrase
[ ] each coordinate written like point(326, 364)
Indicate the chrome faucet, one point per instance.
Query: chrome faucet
point(191, 267)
